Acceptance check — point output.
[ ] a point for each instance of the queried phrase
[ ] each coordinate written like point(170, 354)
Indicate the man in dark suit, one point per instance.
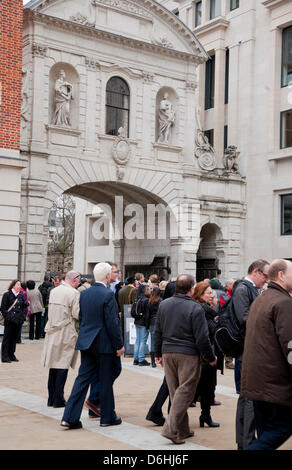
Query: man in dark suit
point(101, 346)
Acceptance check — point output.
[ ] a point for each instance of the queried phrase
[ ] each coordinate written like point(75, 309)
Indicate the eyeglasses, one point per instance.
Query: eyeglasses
point(265, 275)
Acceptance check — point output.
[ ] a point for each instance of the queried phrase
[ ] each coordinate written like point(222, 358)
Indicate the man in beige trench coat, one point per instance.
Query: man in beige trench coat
point(59, 346)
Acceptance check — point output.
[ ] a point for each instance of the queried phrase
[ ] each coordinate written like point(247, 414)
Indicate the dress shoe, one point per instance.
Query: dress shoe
point(144, 363)
point(208, 421)
point(5, 360)
point(94, 408)
point(175, 440)
point(59, 405)
point(14, 359)
point(135, 363)
point(77, 425)
point(114, 423)
point(190, 434)
point(159, 420)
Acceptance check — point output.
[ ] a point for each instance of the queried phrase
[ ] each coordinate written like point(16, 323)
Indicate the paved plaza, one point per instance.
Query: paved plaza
point(28, 424)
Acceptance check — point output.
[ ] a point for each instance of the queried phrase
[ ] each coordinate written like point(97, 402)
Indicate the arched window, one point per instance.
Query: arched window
point(117, 106)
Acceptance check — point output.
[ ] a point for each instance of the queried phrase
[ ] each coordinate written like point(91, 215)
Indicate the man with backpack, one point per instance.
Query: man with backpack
point(243, 296)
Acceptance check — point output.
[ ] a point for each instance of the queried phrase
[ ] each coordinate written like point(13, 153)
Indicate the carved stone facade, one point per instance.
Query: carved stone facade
point(93, 44)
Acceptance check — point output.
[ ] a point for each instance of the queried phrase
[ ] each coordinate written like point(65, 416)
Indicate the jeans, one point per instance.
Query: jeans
point(141, 339)
point(273, 425)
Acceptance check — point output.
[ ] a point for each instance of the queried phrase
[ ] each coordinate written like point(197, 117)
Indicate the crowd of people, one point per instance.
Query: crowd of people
point(180, 316)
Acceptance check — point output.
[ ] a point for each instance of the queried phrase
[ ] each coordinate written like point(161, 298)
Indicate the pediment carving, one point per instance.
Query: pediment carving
point(124, 5)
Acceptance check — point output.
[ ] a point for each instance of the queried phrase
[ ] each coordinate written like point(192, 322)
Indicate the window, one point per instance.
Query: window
point(210, 83)
point(286, 214)
point(227, 76)
point(117, 106)
point(198, 14)
point(210, 135)
point(286, 129)
point(215, 8)
point(225, 137)
point(234, 4)
point(287, 57)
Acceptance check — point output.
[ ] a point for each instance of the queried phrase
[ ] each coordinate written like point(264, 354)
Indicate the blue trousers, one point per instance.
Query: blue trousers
point(141, 340)
point(94, 395)
point(273, 425)
point(93, 364)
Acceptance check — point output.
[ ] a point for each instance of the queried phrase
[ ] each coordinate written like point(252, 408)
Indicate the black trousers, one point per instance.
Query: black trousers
point(206, 388)
point(161, 397)
point(35, 325)
point(56, 384)
point(9, 341)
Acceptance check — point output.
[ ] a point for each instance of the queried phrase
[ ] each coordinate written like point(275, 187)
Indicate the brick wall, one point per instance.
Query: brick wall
point(10, 72)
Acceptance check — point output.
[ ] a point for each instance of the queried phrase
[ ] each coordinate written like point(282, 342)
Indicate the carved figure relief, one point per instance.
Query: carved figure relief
point(62, 101)
point(204, 151)
point(230, 159)
point(166, 119)
point(84, 19)
point(121, 152)
point(24, 97)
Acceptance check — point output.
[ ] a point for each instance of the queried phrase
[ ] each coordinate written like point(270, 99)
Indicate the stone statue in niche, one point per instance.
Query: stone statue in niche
point(166, 119)
point(230, 159)
point(63, 98)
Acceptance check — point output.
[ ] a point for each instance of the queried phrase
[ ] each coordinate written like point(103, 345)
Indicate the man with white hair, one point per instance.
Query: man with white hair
point(266, 376)
point(100, 342)
point(59, 346)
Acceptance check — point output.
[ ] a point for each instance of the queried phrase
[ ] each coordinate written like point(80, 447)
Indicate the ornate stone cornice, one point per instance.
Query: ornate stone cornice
point(51, 21)
point(146, 8)
point(271, 4)
point(216, 24)
point(124, 5)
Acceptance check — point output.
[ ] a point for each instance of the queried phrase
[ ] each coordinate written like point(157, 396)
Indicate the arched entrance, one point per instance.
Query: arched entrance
point(209, 256)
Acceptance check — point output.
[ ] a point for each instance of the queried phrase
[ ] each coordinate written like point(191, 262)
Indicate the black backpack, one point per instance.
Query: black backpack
point(229, 336)
point(137, 309)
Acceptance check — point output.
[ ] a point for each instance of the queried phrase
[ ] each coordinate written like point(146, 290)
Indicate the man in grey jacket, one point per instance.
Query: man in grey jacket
point(243, 296)
point(180, 337)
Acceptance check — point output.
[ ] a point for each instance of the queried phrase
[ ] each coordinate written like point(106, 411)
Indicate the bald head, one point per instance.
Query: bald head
point(280, 271)
point(184, 284)
point(73, 278)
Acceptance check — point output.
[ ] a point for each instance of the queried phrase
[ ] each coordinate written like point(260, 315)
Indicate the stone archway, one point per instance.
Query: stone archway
point(209, 256)
point(149, 193)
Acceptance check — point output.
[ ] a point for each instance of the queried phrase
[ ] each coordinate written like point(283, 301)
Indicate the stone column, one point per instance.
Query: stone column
point(11, 166)
point(38, 118)
point(91, 108)
point(34, 229)
point(219, 102)
point(184, 243)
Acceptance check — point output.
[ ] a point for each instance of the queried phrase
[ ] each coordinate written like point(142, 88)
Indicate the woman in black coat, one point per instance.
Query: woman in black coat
point(206, 387)
point(13, 308)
